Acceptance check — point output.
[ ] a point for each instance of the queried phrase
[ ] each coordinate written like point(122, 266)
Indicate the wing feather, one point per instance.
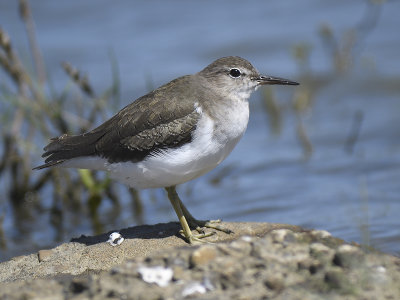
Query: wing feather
point(142, 128)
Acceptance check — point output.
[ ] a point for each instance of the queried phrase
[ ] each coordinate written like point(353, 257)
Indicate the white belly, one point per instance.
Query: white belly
point(210, 145)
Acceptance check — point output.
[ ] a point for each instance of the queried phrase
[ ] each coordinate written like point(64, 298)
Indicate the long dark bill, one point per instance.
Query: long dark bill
point(274, 80)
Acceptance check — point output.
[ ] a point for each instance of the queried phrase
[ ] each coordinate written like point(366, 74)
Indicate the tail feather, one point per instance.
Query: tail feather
point(50, 164)
point(66, 147)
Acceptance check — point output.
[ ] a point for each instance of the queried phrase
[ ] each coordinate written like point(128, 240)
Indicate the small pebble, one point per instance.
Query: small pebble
point(347, 248)
point(348, 256)
point(44, 255)
point(247, 238)
point(336, 279)
point(275, 283)
point(381, 269)
point(323, 234)
point(283, 235)
point(321, 252)
point(378, 274)
point(203, 255)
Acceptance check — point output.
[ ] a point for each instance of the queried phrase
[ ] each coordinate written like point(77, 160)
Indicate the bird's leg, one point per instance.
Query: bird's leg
point(198, 224)
point(176, 204)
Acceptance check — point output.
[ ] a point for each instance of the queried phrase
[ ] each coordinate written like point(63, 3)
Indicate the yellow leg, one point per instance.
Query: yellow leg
point(177, 205)
point(197, 224)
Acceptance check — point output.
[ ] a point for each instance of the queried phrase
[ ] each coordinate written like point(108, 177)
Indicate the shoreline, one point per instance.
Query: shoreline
point(277, 261)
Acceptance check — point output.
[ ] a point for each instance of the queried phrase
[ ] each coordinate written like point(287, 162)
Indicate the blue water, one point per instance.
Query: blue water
point(354, 195)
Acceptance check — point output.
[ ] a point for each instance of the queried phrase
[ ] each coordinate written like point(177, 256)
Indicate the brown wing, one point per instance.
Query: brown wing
point(142, 128)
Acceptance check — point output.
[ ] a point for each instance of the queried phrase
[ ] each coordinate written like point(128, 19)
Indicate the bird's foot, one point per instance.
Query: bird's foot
point(212, 224)
point(197, 238)
point(188, 222)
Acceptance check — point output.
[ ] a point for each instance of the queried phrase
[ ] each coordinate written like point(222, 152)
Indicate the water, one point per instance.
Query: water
point(353, 194)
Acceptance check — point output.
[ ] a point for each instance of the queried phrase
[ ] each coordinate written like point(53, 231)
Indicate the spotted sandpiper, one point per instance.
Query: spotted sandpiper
point(173, 134)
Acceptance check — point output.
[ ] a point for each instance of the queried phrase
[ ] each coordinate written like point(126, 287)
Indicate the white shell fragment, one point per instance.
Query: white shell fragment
point(115, 239)
point(194, 288)
point(197, 287)
point(158, 275)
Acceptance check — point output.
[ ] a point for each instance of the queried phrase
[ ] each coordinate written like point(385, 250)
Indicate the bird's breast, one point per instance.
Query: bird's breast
point(231, 121)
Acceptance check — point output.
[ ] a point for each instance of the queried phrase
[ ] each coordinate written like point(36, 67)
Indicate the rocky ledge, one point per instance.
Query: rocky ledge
point(258, 261)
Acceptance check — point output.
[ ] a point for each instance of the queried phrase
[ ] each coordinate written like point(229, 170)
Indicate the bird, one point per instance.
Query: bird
point(171, 135)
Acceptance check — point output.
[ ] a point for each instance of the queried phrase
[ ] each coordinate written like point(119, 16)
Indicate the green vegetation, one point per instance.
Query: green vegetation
point(32, 111)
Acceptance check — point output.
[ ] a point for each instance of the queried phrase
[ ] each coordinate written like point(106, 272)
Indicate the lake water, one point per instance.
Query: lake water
point(349, 185)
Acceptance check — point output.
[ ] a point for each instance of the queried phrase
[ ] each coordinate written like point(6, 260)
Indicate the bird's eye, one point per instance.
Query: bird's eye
point(235, 73)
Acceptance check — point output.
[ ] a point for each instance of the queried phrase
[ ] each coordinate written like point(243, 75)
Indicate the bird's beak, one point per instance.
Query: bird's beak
point(274, 80)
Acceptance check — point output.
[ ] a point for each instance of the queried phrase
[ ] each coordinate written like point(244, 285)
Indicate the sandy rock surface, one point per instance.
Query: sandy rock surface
point(258, 261)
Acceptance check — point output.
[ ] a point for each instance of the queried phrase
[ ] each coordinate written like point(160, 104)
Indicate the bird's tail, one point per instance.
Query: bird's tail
point(66, 147)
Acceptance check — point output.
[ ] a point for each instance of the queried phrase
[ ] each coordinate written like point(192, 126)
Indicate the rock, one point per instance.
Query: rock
point(283, 235)
point(275, 283)
point(44, 255)
point(203, 255)
point(273, 264)
point(348, 256)
point(336, 279)
point(321, 234)
point(321, 252)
